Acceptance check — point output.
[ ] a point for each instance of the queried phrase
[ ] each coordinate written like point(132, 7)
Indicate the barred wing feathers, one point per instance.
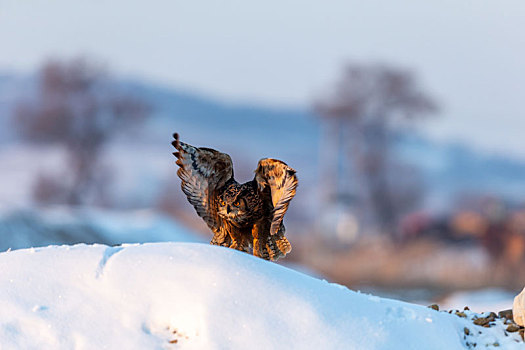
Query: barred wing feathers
point(281, 181)
point(203, 171)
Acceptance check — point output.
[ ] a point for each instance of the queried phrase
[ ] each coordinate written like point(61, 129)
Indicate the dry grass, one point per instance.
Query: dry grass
point(422, 263)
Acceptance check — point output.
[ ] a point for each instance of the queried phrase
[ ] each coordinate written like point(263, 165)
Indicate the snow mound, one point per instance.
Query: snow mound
point(197, 296)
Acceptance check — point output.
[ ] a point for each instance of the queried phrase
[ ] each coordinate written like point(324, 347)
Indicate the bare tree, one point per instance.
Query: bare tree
point(363, 109)
point(78, 107)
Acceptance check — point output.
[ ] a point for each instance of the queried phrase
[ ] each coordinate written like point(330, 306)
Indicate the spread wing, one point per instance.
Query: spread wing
point(203, 171)
point(276, 182)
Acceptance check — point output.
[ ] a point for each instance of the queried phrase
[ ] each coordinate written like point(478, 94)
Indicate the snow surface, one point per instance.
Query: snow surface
point(197, 296)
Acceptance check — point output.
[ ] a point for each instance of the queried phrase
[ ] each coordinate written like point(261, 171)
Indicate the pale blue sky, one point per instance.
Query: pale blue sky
point(469, 54)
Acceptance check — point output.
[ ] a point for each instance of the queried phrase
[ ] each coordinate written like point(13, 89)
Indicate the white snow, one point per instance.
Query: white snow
point(197, 296)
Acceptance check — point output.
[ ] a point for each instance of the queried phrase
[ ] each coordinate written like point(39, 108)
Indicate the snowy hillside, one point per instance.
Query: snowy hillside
point(190, 295)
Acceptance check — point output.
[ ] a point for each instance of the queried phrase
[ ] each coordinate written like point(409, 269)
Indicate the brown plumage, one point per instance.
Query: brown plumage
point(247, 217)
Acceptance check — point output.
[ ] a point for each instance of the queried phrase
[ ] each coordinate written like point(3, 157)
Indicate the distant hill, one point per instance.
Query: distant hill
point(250, 132)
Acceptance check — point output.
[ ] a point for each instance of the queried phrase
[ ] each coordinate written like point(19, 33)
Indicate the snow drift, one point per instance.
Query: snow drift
point(190, 295)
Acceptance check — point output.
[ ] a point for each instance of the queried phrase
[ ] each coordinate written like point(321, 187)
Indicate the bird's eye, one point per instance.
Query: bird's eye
point(236, 203)
point(222, 202)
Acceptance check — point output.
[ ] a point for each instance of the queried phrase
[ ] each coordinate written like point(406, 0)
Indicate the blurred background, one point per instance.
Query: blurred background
point(403, 119)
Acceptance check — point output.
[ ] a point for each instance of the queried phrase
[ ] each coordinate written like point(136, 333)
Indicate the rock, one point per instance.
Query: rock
point(513, 328)
point(460, 314)
point(434, 307)
point(505, 314)
point(466, 330)
point(518, 308)
point(481, 321)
